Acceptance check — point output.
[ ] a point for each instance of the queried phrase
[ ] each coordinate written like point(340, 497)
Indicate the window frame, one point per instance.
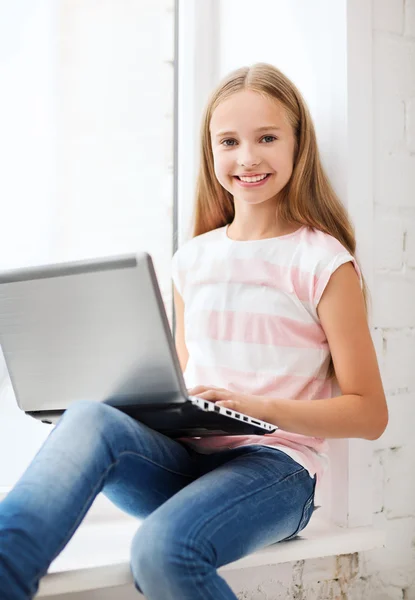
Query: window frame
point(197, 74)
point(347, 495)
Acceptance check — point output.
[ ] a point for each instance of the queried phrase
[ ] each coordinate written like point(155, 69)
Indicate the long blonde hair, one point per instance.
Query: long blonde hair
point(307, 199)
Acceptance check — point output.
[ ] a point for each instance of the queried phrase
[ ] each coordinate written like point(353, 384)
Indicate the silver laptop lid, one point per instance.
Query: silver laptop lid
point(93, 329)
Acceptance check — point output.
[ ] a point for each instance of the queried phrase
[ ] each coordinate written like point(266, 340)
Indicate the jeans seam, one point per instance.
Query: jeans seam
point(303, 516)
point(92, 495)
point(305, 510)
point(153, 463)
point(77, 522)
point(245, 497)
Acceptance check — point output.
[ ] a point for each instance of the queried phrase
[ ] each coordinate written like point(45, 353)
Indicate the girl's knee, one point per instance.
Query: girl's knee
point(88, 411)
point(161, 554)
point(86, 422)
point(156, 546)
point(150, 548)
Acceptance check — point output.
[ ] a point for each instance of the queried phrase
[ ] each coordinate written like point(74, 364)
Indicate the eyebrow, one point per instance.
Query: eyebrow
point(264, 128)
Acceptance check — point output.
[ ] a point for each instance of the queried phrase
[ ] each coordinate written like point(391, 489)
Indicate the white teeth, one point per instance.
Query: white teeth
point(253, 179)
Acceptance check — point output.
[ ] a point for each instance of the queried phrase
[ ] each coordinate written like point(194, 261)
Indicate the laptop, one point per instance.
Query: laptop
point(97, 329)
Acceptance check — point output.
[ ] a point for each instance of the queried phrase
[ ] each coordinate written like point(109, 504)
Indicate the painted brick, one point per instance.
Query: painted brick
point(393, 305)
point(388, 15)
point(397, 366)
point(400, 429)
point(394, 564)
point(394, 183)
point(410, 18)
point(409, 593)
point(399, 464)
point(410, 124)
point(410, 242)
point(378, 342)
point(378, 483)
point(389, 232)
point(394, 66)
point(389, 119)
point(393, 301)
point(379, 591)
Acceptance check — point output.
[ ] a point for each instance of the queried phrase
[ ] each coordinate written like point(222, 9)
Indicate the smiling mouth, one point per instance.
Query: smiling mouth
point(252, 178)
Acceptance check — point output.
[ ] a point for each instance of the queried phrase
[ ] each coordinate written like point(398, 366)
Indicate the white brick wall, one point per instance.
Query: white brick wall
point(394, 292)
point(388, 15)
point(410, 18)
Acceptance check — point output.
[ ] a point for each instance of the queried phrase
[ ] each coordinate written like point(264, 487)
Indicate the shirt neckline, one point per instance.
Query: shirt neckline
point(271, 239)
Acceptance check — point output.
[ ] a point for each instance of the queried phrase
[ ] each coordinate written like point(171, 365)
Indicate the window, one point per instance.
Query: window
point(332, 84)
point(86, 149)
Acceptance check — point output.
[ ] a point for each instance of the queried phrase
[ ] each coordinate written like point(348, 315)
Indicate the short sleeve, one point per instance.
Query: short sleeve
point(327, 272)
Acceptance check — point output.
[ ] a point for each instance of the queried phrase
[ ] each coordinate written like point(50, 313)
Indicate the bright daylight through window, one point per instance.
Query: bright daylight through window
point(87, 150)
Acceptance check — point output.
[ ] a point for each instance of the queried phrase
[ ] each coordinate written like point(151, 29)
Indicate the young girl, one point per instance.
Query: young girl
point(271, 314)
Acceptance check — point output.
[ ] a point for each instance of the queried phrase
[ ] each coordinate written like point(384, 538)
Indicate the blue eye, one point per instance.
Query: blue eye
point(268, 139)
point(225, 142)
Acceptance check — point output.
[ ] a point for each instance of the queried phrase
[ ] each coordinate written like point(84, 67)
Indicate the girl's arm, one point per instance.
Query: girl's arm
point(179, 334)
point(362, 410)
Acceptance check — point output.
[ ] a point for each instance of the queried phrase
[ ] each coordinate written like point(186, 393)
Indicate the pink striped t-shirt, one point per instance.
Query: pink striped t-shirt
point(251, 325)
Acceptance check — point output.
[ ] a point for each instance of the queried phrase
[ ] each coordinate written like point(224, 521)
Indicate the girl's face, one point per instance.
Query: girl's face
point(253, 146)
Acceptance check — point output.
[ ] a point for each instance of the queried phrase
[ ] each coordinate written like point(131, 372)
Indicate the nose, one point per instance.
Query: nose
point(248, 156)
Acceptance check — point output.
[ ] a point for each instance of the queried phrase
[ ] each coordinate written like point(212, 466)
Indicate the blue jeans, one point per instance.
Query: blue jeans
point(200, 511)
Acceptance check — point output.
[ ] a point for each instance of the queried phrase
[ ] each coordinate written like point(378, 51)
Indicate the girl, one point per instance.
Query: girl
point(271, 314)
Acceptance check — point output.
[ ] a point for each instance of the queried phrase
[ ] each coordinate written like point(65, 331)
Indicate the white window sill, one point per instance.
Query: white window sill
point(97, 557)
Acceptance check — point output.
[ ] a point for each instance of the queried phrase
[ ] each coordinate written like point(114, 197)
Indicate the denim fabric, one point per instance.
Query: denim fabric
point(199, 511)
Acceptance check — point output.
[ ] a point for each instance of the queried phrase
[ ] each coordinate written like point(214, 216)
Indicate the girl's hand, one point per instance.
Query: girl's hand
point(253, 406)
